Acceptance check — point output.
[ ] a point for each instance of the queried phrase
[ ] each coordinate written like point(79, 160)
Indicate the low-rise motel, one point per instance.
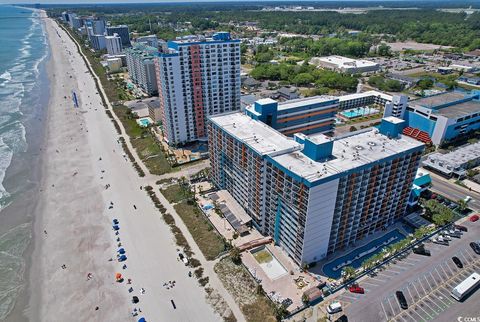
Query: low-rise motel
point(313, 194)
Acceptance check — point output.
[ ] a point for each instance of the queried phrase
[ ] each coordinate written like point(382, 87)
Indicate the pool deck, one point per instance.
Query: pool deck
point(283, 286)
point(318, 269)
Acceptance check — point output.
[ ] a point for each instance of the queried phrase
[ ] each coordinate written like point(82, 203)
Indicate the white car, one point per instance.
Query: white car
point(334, 307)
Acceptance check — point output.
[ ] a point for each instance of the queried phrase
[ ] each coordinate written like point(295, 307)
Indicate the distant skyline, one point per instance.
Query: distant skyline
point(70, 2)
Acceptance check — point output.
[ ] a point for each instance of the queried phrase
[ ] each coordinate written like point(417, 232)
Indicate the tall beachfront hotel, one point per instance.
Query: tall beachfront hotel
point(313, 194)
point(197, 77)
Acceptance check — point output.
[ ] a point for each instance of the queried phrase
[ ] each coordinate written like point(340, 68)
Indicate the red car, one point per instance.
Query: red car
point(474, 218)
point(356, 289)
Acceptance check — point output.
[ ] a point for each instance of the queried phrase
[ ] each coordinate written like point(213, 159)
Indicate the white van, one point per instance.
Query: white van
point(335, 307)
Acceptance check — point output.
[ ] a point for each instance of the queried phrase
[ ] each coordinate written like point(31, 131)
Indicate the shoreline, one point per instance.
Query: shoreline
point(22, 179)
point(82, 156)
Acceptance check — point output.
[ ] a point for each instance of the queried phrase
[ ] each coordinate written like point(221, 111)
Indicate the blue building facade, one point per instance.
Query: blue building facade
point(445, 116)
point(308, 116)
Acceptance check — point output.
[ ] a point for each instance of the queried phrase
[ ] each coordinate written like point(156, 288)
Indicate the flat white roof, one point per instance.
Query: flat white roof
point(345, 62)
point(393, 119)
point(306, 101)
point(259, 136)
point(365, 94)
point(349, 152)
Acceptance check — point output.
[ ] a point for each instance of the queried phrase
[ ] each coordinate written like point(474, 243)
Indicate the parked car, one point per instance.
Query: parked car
point(475, 247)
point(356, 289)
point(420, 250)
point(401, 300)
point(454, 234)
point(457, 261)
point(440, 241)
point(335, 307)
point(461, 228)
point(474, 218)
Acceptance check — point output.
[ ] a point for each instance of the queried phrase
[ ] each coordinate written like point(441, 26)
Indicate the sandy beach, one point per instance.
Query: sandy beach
point(73, 233)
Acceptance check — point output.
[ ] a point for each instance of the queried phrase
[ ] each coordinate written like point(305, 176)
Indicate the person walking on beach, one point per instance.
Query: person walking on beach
point(45, 232)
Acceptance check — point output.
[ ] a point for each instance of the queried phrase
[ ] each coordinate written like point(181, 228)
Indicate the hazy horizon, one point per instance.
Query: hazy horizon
point(66, 2)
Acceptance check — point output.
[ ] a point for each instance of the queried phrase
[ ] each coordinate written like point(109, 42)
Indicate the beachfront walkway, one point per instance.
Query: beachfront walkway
point(146, 226)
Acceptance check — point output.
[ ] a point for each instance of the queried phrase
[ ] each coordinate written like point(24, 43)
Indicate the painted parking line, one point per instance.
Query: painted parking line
point(349, 297)
point(438, 308)
point(413, 311)
point(443, 269)
point(428, 305)
point(441, 297)
point(384, 312)
point(436, 280)
point(370, 283)
point(416, 289)
point(409, 313)
point(421, 284)
point(420, 306)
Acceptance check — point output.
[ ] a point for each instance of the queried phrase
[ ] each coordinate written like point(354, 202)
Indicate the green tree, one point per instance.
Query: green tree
point(348, 272)
point(384, 50)
point(236, 255)
point(303, 79)
point(462, 205)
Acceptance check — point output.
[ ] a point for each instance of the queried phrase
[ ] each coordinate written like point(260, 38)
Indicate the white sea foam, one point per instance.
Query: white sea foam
point(12, 265)
point(5, 159)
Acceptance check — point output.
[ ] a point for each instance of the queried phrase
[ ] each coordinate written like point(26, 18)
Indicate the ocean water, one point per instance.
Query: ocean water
point(23, 93)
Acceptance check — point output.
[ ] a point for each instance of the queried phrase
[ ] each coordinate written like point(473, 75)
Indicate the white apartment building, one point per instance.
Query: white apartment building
point(113, 44)
point(197, 78)
point(141, 67)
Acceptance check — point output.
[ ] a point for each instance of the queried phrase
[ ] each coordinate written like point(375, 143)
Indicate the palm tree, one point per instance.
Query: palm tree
point(462, 205)
point(348, 273)
point(236, 255)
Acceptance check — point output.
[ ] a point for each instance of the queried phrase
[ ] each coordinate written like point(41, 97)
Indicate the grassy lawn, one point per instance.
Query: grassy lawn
point(263, 256)
point(142, 140)
point(176, 193)
point(208, 240)
point(240, 284)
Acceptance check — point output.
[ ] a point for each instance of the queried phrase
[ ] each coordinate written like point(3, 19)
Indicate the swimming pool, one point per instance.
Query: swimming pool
point(144, 122)
point(355, 258)
point(357, 112)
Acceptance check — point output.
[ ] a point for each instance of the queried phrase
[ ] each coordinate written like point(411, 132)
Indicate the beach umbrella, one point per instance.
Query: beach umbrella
point(118, 276)
point(116, 227)
point(122, 258)
point(142, 320)
point(121, 251)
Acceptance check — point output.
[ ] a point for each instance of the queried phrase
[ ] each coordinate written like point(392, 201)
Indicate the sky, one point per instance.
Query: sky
point(119, 1)
point(128, 1)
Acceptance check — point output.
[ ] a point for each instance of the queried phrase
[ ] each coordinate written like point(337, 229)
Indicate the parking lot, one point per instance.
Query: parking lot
point(425, 281)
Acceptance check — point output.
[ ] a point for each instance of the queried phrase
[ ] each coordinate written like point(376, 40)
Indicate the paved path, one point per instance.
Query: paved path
point(150, 179)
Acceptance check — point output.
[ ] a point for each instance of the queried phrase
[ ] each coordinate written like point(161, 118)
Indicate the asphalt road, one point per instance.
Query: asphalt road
point(426, 283)
point(453, 191)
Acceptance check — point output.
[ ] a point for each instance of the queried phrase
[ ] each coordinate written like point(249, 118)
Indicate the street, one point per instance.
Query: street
point(453, 191)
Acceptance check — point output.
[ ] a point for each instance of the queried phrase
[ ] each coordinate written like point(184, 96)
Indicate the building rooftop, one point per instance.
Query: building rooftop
point(257, 135)
point(440, 99)
point(450, 104)
point(364, 94)
point(356, 150)
point(350, 151)
point(305, 101)
point(345, 62)
point(453, 161)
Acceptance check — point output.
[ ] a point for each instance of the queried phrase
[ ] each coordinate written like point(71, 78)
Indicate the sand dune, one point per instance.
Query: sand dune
point(82, 155)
